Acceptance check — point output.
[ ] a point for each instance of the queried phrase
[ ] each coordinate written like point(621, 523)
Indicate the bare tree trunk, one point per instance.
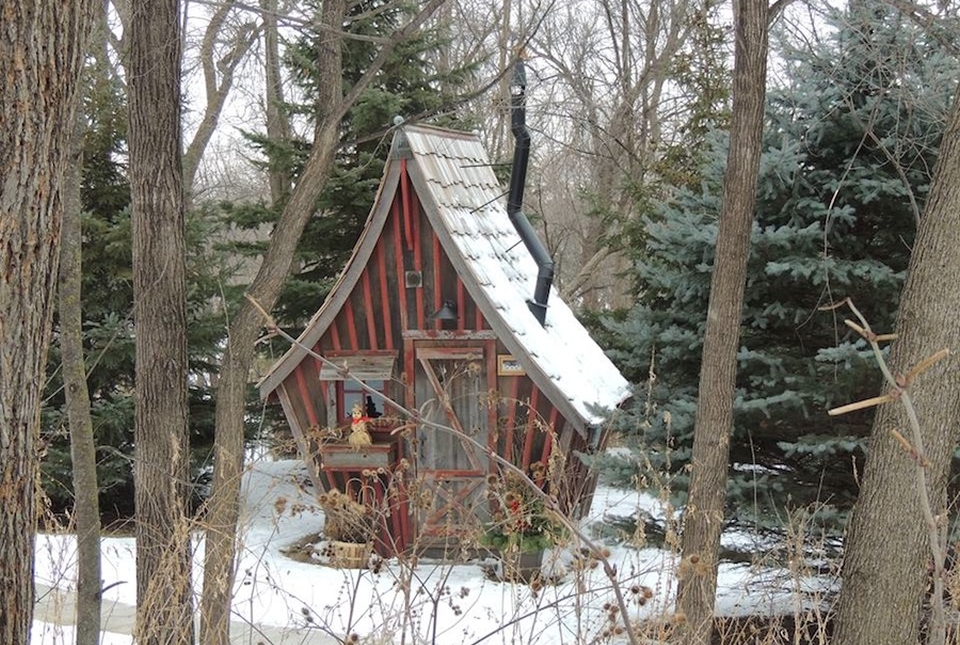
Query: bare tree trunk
point(703, 518)
point(886, 553)
point(223, 504)
point(164, 607)
point(83, 455)
point(41, 53)
point(505, 51)
point(278, 125)
point(218, 76)
point(618, 111)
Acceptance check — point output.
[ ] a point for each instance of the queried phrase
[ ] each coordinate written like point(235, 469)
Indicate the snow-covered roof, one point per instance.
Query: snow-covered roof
point(463, 199)
point(465, 205)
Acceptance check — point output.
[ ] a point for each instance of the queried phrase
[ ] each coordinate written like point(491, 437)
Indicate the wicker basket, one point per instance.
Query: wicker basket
point(349, 555)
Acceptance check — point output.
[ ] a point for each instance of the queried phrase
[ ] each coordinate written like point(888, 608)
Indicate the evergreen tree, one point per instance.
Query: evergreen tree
point(835, 219)
point(107, 300)
point(407, 86)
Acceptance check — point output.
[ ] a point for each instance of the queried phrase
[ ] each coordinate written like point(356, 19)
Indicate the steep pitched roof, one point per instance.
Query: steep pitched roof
point(464, 203)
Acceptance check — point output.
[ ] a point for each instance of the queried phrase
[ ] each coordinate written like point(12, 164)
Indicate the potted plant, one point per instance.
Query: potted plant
point(349, 528)
point(522, 528)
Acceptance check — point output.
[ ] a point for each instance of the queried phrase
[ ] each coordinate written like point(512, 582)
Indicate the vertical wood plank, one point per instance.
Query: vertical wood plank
point(531, 428)
point(335, 336)
point(462, 311)
point(493, 432)
point(511, 422)
point(548, 441)
point(351, 323)
point(305, 395)
point(437, 287)
point(372, 319)
point(396, 215)
point(407, 211)
point(387, 313)
point(418, 263)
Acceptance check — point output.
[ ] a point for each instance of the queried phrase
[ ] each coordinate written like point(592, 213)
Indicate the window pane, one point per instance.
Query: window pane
point(371, 404)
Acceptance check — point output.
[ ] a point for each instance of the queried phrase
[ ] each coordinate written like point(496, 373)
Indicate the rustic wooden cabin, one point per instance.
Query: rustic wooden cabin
point(436, 311)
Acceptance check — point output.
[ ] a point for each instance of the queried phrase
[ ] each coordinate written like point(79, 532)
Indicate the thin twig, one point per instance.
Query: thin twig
point(924, 365)
point(859, 405)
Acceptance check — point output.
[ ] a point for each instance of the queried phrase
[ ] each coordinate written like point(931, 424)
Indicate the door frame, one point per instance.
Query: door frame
point(415, 350)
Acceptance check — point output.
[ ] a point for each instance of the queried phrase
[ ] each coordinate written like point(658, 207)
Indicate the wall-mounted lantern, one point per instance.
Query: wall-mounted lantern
point(447, 312)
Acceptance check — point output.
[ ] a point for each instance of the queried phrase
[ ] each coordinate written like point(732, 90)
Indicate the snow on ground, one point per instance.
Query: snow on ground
point(429, 601)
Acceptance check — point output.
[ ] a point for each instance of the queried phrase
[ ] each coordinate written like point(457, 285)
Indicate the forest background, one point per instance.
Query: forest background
point(625, 189)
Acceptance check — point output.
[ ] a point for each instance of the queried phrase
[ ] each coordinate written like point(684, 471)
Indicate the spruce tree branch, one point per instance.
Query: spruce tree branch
point(425, 114)
point(931, 23)
point(398, 36)
point(901, 173)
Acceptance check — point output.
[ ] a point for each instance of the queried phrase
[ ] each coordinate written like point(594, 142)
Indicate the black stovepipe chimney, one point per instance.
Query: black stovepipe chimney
point(518, 178)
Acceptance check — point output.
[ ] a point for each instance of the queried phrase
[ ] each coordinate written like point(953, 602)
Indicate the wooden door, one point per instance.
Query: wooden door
point(450, 387)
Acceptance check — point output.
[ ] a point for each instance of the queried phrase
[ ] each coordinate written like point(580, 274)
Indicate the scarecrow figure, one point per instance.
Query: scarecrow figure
point(359, 435)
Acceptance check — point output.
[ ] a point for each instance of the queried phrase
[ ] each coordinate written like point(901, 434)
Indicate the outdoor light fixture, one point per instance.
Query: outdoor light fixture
point(447, 312)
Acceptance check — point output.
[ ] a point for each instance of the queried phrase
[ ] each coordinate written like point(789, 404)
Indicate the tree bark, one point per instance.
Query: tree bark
point(41, 54)
point(278, 125)
point(887, 555)
point(164, 593)
point(703, 517)
point(83, 455)
point(223, 505)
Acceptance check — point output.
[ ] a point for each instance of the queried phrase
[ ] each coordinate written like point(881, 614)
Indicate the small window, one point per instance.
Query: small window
point(344, 368)
point(350, 393)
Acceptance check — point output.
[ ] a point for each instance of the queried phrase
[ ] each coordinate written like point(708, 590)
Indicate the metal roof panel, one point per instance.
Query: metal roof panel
point(471, 209)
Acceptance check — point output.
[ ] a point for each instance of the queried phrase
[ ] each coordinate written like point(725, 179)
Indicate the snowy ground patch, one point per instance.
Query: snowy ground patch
point(426, 601)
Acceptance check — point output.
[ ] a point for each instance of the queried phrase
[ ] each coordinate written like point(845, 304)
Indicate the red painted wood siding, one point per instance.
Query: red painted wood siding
point(526, 427)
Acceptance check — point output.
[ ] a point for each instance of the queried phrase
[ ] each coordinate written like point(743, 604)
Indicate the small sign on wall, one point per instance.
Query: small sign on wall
point(507, 365)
